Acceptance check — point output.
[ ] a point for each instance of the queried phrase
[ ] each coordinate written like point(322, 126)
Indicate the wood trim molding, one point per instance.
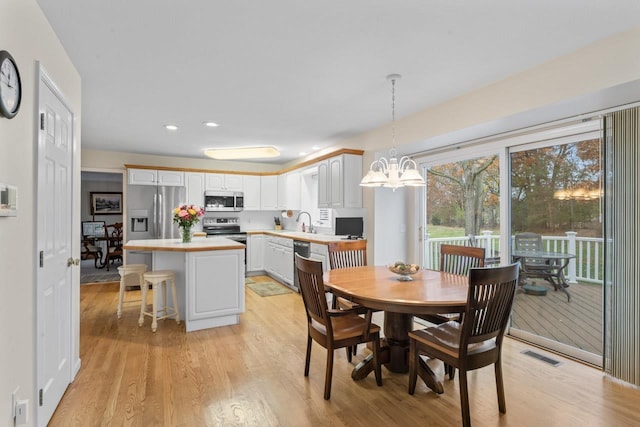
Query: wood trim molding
point(235, 172)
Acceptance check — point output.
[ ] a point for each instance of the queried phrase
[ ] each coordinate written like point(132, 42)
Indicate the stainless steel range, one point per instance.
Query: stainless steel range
point(226, 227)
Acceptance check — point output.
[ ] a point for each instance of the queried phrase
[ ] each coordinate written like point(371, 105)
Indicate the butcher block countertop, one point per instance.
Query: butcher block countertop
point(176, 245)
point(322, 239)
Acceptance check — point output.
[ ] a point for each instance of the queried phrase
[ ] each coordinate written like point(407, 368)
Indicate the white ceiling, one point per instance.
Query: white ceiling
point(295, 73)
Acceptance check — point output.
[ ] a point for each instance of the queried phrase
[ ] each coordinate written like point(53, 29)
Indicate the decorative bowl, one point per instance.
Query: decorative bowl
point(405, 271)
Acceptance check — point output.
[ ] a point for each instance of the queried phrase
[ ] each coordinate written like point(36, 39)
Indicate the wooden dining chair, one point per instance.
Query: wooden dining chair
point(477, 341)
point(113, 236)
point(332, 328)
point(459, 260)
point(346, 254)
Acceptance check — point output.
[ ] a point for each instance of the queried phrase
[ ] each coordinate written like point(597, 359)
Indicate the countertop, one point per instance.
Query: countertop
point(322, 239)
point(176, 245)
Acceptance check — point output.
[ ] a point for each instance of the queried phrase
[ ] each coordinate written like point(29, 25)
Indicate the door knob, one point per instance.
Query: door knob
point(72, 261)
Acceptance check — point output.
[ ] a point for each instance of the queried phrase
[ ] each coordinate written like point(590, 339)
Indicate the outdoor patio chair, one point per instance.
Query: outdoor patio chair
point(533, 267)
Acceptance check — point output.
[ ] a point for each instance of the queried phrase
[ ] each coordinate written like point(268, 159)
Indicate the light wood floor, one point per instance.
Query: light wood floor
point(252, 374)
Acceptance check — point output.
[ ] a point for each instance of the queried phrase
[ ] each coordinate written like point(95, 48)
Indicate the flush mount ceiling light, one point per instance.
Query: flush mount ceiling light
point(171, 127)
point(210, 124)
point(242, 153)
point(393, 173)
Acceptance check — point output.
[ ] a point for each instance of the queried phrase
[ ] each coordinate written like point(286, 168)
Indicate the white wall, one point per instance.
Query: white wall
point(603, 75)
point(25, 33)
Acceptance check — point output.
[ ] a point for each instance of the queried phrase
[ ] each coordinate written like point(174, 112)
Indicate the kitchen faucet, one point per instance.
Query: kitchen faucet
point(310, 224)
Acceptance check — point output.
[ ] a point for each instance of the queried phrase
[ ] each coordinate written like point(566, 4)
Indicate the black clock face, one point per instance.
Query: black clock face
point(10, 86)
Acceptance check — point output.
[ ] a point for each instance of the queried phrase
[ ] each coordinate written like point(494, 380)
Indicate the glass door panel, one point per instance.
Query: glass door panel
point(462, 207)
point(556, 208)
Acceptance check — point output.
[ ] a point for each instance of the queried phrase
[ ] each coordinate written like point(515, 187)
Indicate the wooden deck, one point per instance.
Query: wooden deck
point(577, 323)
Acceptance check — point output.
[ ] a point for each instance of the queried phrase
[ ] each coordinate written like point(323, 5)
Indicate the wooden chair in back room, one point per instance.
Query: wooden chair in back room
point(113, 235)
point(332, 328)
point(477, 341)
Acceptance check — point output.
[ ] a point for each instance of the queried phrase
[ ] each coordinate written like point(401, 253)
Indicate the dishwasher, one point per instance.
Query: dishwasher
point(301, 248)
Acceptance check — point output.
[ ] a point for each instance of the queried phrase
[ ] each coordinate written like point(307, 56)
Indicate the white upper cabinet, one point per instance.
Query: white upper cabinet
point(143, 176)
point(294, 188)
point(282, 191)
point(251, 189)
point(339, 182)
point(171, 178)
point(155, 177)
point(323, 184)
point(269, 193)
point(194, 182)
point(223, 181)
point(289, 191)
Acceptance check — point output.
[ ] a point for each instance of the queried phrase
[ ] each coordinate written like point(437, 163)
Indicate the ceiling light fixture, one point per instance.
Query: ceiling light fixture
point(210, 124)
point(171, 127)
point(393, 173)
point(242, 153)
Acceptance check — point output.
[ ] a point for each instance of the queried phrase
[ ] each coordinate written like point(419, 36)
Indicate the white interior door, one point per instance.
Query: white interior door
point(54, 202)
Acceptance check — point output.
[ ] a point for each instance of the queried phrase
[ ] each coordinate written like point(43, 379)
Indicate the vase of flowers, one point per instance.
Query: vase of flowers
point(186, 216)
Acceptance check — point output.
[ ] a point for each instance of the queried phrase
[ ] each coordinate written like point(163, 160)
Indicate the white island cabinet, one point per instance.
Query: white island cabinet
point(209, 278)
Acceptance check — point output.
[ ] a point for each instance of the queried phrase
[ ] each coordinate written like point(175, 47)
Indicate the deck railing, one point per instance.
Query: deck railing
point(587, 266)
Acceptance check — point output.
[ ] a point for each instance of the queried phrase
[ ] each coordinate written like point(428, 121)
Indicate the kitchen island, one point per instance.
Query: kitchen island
point(209, 277)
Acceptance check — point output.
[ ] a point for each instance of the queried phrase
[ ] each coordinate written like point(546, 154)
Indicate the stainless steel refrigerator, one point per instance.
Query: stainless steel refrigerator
point(150, 216)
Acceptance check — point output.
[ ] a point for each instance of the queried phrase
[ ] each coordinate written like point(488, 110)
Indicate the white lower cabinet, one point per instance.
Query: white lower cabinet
point(278, 259)
point(210, 285)
point(320, 253)
point(256, 253)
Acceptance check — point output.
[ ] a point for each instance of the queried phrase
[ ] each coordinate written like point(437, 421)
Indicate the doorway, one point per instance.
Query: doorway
point(93, 251)
point(557, 198)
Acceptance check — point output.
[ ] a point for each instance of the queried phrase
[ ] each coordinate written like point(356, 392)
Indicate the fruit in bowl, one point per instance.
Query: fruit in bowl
point(404, 270)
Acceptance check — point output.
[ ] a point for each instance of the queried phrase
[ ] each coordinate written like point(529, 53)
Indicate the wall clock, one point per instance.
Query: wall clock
point(10, 86)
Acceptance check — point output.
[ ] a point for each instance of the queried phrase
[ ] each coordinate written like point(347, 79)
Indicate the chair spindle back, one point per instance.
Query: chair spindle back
point(347, 254)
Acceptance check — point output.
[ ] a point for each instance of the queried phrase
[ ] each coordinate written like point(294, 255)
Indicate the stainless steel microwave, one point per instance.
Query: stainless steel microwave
point(223, 201)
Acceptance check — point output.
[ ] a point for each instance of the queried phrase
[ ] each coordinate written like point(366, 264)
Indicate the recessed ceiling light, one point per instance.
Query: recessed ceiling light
point(171, 127)
point(242, 153)
point(210, 124)
point(315, 147)
point(302, 153)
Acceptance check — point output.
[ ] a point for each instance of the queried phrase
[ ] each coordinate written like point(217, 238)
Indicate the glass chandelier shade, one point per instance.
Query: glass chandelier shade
point(393, 173)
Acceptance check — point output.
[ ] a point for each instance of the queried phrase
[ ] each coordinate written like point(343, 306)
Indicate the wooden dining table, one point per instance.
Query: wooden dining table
point(375, 287)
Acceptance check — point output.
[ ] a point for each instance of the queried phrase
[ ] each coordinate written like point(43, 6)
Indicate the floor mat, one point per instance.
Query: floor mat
point(267, 289)
point(90, 274)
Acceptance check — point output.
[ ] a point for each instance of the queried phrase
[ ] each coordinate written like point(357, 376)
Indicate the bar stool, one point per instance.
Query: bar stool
point(130, 275)
point(159, 280)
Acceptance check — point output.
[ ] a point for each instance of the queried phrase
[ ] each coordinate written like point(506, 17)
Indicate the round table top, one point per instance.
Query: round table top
point(378, 288)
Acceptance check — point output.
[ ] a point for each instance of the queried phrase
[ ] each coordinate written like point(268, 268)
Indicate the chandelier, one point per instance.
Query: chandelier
point(393, 173)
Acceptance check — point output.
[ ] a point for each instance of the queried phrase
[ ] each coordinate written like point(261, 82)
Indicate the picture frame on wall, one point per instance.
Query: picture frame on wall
point(8, 200)
point(106, 203)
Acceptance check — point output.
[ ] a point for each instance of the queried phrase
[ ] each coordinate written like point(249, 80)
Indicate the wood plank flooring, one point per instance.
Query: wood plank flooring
point(251, 374)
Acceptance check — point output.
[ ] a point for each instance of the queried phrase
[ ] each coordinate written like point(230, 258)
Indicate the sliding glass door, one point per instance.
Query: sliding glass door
point(557, 211)
point(462, 205)
point(552, 190)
